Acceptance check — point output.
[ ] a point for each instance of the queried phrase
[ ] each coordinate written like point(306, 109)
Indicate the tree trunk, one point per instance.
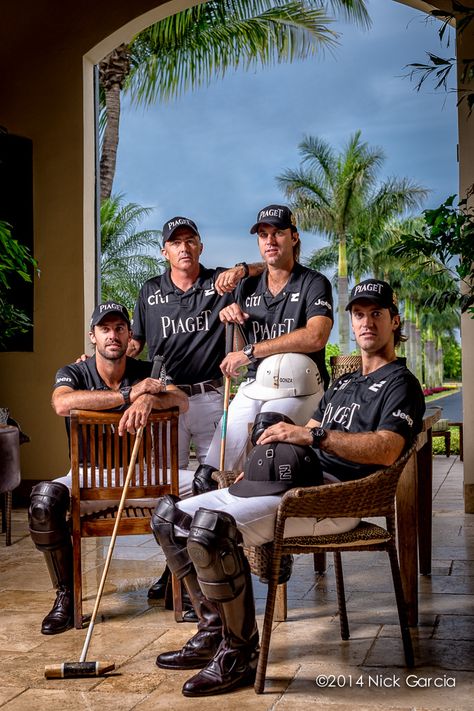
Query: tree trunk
point(439, 363)
point(113, 71)
point(343, 298)
point(108, 159)
point(429, 359)
point(418, 369)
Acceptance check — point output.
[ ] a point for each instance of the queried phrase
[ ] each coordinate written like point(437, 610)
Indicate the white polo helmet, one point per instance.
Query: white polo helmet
point(285, 375)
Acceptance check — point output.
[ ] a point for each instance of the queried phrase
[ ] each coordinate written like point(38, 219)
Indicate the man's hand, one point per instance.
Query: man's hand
point(233, 314)
point(136, 415)
point(82, 358)
point(149, 386)
point(135, 347)
point(232, 363)
point(228, 280)
point(284, 432)
point(238, 478)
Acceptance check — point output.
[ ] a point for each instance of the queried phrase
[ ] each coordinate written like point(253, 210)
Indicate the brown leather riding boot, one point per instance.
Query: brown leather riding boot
point(235, 663)
point(204, 644)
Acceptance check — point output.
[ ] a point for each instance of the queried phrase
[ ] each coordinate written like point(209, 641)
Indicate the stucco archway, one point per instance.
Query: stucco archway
point(46, 87)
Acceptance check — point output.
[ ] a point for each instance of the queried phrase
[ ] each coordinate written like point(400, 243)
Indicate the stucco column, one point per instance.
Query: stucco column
point(465, 50)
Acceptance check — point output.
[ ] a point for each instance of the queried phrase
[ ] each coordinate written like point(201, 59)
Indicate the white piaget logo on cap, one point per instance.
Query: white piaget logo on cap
point(177, 223)
point(368, 287)
point(274, 212)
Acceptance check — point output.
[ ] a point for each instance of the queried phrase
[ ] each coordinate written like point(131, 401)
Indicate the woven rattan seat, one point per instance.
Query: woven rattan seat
point(372, 496)
point(341, 364)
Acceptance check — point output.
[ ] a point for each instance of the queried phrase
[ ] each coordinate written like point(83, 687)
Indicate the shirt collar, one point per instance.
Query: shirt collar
point(293, 284)
point(203, 281)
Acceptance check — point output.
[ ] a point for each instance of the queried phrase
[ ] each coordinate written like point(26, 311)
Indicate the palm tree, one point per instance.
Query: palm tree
point(192, 47)
point(337, 195)
point(128, 258)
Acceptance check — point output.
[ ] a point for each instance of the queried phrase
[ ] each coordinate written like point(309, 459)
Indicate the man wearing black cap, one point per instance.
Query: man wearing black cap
point(367, 418)
point(363, 422)
point(177, 315)
point(286, 309)
point(108, 381)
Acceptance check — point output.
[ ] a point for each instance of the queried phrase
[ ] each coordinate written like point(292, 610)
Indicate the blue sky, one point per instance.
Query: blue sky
point(214, 154)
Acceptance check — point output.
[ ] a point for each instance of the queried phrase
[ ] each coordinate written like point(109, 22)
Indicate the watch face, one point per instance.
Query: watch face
point(318, 434)
point(126, 394)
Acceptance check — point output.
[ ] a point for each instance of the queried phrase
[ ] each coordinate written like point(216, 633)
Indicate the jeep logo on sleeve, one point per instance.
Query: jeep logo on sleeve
point(403, 416)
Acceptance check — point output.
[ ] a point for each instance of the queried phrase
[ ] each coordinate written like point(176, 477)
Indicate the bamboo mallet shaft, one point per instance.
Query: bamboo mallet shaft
point(82, 668)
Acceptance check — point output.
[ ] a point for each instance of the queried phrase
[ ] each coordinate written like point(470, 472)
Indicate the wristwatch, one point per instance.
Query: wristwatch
point(126, 395)
point(248, 351)
point(246, 268)
point(318, 434)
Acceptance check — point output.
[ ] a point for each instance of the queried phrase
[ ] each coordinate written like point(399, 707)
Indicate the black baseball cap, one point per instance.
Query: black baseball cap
point(109, 307)
point(374, 290)
point(274, 468)
point(170, 227)
point(276, 215)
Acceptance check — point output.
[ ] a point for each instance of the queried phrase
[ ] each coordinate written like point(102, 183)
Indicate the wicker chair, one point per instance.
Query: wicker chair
point(372, 496)
point(341, 364)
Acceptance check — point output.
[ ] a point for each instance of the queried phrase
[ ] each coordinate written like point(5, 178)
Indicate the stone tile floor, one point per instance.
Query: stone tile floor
point(365, 673)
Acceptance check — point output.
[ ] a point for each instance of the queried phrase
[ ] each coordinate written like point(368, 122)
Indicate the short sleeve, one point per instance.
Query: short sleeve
point(69, 376)
point(319, 297)
point(403, 408)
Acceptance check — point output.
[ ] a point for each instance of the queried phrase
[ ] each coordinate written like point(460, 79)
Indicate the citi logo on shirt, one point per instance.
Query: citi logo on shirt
point(403, 416)
point(253, 300)
point(156, 298)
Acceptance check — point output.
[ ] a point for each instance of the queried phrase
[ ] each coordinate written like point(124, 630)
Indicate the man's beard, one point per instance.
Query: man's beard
point(116, 355)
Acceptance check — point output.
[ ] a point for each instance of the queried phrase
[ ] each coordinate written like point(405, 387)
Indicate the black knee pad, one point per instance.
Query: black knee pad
point(213, 546)
point(49, 505)
point(264, 420)
point(165, 517)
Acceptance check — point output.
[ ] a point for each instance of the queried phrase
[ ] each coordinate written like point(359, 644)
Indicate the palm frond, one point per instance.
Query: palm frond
point(202, 43)
point(128, 256)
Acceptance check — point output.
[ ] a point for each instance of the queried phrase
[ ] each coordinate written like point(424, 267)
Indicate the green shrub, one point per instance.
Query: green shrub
point(438, 442)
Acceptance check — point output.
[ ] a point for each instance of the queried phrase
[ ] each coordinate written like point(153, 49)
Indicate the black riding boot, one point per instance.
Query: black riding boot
point(224, 577)
point(50, 534)
point(158, 590)
point(203, 645)
point(203, 480)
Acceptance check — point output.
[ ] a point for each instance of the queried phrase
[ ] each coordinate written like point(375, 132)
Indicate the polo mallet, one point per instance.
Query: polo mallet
point(229, 347)
point(82, 668)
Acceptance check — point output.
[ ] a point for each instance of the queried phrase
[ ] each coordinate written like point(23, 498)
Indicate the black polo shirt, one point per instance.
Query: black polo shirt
point(184, 327)
point(84, 376)
point(307, 293)
point(390, 398)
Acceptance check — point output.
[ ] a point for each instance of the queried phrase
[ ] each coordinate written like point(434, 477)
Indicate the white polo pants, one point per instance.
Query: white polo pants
point(255, 516)
point(199, 424)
